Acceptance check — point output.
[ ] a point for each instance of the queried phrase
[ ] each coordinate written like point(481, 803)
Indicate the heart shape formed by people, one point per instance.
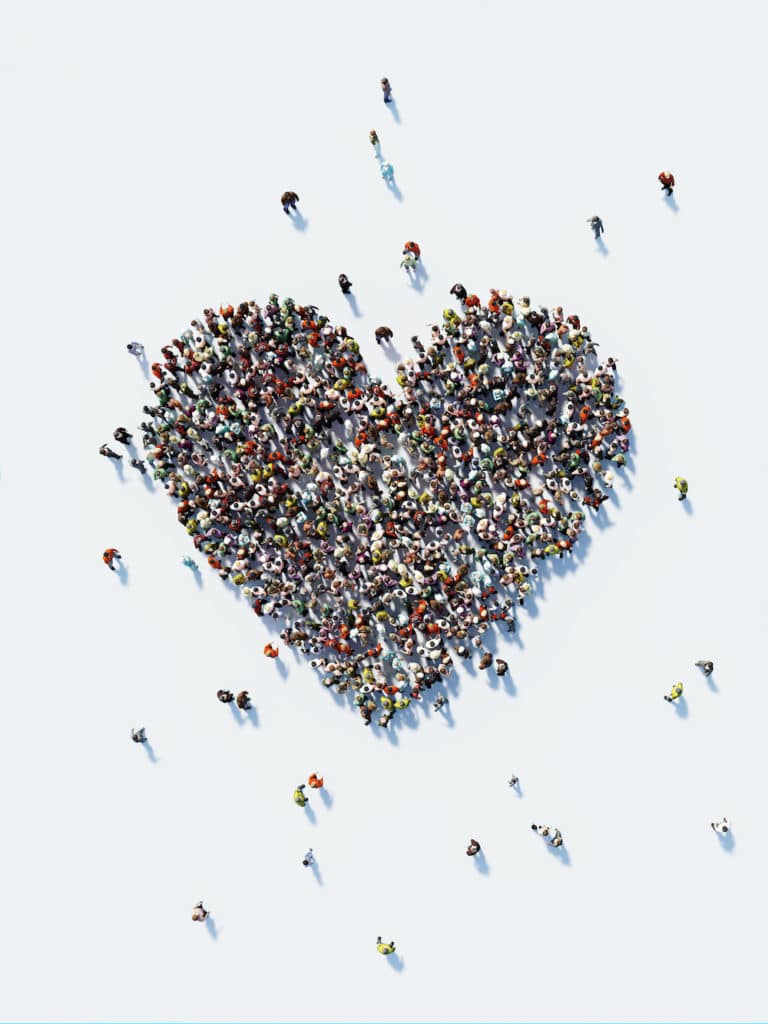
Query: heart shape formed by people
point(388, 529)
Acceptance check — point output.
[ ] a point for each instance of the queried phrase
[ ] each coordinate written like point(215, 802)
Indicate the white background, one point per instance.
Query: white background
point(145, 149)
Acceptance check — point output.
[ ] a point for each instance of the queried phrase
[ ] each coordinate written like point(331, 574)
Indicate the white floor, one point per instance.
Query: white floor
point(146, 149)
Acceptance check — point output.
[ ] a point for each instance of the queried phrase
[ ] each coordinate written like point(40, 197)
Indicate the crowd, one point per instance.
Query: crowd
point(386, 530)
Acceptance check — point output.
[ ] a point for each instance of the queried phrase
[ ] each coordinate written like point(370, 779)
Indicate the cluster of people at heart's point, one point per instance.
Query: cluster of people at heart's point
point(388, 529)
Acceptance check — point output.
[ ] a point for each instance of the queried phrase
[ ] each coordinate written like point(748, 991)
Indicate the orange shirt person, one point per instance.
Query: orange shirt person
point(315, 781)
point(271, 651)
point(109, 556)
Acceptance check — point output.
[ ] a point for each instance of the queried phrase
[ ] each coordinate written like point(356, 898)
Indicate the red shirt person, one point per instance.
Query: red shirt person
point(667, 180)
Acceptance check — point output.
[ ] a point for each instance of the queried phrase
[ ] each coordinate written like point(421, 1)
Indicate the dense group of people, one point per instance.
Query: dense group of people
point(387, 529)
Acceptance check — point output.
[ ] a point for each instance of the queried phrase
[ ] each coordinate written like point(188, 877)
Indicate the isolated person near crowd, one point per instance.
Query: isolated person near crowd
point(681, 485)
point(299, 796)
point(315, 781)
point(385, 948)
point(383, 334)
point(225, 696)
point(121, 434)
point(139, 735)
point(345, 284)
point(135, 348)
point(721, 826)
point(199, 913)
point(289, 201)
point(309, 858)
point(674, 694)
point(667, 180)
point(107, 452)
point(597, 226)
point(374, 138)
point(243, 701)
point(474, 848)
point(707, 667)
point(386, 88)
point(109, 556)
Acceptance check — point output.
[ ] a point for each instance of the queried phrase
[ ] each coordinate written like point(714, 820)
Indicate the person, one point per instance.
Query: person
point(557, 838)
point(190, 563)
point(412, 247)
point(289, 201)
point(681, 485)
point(309, 858)
point(542, 830)
point(440, 702)
point(667, 180)
point(707, 667)
point(109, 556)
point(373, 137)
point(135, 348)
point(674, 694)
point(459, 292)
point(501, 667)
point(721, 826)
point(140, 465)
point(387, 172)
point(315, 781)
point(385, 948)
point(409, 262)
point(386, 88)
point(199, 913)
point(383, 334)
point(107, 452)
point(513, 780)
point(271, 651)
point(225, 696)
point(473, 848)
point(345, 284)
point(597, 226)
point(122, 435)
point(299, 797)
point(485, 660)
point(139, 735)
point(243, 701)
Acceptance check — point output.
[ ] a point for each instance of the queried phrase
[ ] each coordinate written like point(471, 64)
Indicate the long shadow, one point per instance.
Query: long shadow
point(561, 853)
point(711, 684)
point(148, 482)
point(210, 924)
point(352, 300)
point(198, 578)
point(392, 105)
point(687, 506)
point(481, 863)
point(122, 574)
point(601, 247)
point(326, 797)
point(299, 221)
point(310, 813)
point(150, 752)
point(316, 873)
point(236, 713)
point(727, 842)
point(393, 188)
point(282, 668)
point(253, 716)
point(671, 204)
point(396, 962)
point(681, 707)
point(118, 464)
